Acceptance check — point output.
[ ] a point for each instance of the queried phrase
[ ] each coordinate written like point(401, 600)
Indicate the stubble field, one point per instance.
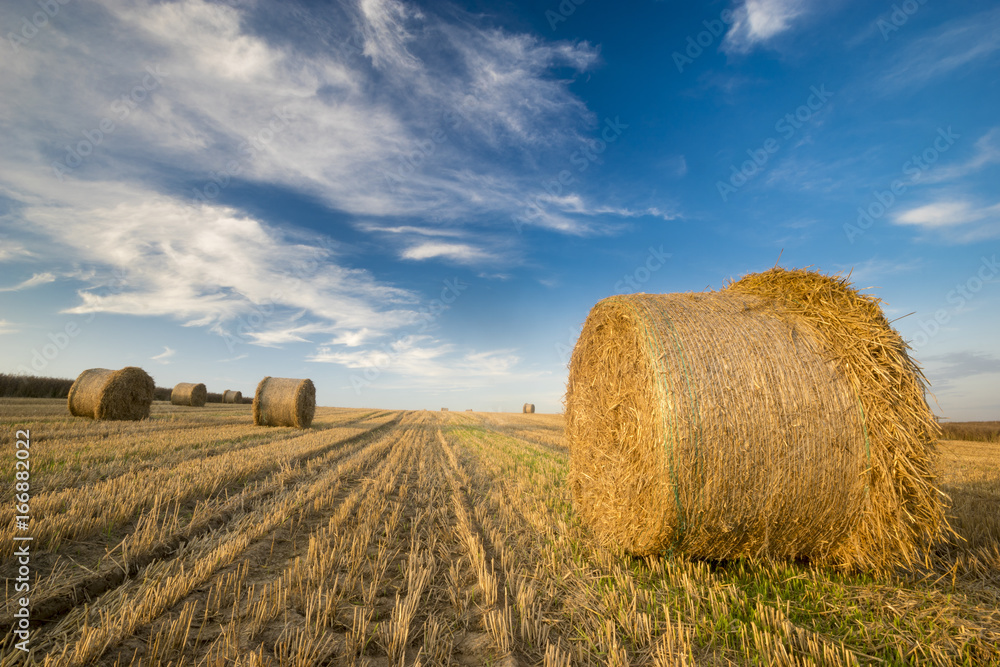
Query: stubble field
point(435, 538)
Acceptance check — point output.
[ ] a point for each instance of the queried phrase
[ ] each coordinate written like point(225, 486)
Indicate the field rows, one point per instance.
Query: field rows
point(387, 538)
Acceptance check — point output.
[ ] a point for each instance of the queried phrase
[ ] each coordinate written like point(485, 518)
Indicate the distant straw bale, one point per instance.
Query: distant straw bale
point(99, 393)
point(284, 402)
point(189, 393)
point(780, 416)
point(529, 408)
point(231, 396)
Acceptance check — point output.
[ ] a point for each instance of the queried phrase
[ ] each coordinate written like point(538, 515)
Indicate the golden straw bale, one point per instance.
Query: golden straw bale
point(189, 393)
point(780, 416)
point(529, 408)
point(99, 393)
point(284, 402)
point(232, 396)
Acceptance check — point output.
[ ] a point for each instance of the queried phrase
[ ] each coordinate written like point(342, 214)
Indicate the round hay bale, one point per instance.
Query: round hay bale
point(778, 417)
point(100, 393)
point(444, 409)
point(284, 402)
point(189, 393)
point(529, 408)
point(231, 396)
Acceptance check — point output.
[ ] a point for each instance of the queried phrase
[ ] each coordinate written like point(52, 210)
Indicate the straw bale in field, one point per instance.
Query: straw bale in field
point(284, 402)
point(529, 408)
point(444, 409)
point(189, 393)
point(99, 393)
point(231, 396)
point(780, 416)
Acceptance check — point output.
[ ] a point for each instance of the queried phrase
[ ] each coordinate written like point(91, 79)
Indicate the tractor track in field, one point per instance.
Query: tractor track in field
point(113, 574)
point(460, 482)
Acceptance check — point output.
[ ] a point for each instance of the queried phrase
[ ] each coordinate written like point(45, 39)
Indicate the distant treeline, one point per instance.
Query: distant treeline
point(982, 431)
point(32, 386)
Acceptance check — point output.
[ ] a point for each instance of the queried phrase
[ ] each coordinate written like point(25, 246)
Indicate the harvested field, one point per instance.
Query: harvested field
point(382, 537)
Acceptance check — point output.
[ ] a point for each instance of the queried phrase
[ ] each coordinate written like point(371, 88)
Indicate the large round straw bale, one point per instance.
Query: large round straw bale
point(780, 416)
point(231, 396)
point(529, 408)
point(100, 393)
point(189, 393)
point(284, 402)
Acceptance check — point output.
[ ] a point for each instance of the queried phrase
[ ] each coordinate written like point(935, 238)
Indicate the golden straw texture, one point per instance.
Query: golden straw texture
point(189, 393)
point(284, 402)
point(99, 393)
point(762, 420)
point(231, 396)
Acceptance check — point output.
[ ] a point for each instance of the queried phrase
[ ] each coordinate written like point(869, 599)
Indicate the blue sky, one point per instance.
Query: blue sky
point(417, 204)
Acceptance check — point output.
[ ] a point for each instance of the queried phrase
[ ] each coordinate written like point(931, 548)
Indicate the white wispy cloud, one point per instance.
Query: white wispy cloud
point(164, 357)
point(946, 370)
point(572, 214)
point(953, 45)
point(37, 279)
point(625, 212)
point(12, 249)
point(986, 153)
point(757, 21)
point(386, 37)
point(7, 327)
point(867, 273)
point(946, 214)
point(410, 230)
point(424, 361)
point(955, 220)
point(460, 252)
point(213, 266)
